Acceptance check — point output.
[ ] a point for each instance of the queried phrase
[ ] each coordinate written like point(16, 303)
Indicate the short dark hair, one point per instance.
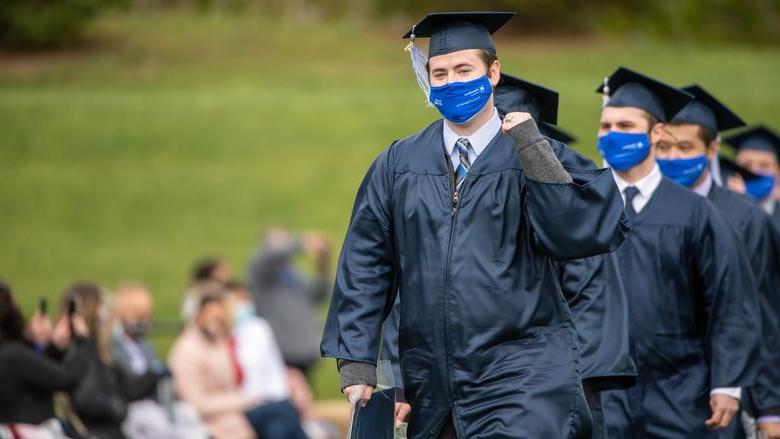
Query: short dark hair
point(488, 57)
point(705, 134)
point(651, 121)
point(204, 269)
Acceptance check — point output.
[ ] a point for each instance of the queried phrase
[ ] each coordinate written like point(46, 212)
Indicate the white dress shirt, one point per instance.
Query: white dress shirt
point(770, 205)
point(704, 188)
point(479, 140)
point(646, 186)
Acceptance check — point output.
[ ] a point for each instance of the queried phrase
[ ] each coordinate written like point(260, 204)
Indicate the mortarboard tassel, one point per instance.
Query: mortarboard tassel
point(419, 61)
point(605, 92)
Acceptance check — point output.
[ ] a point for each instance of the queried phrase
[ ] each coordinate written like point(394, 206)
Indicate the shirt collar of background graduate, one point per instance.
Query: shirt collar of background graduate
point(451, 32)
point(515, 94)
point(706, 111)
point(627, 88)
point(729, 167)
point(757, 137)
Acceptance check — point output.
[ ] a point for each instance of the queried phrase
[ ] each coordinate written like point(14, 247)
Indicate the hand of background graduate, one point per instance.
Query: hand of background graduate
point(771, 429)
point(511, 120)
point(358, 392)
point(402, 411)
point(723, 409)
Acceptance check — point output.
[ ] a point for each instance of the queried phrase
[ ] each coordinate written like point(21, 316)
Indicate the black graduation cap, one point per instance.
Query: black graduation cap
point(515, 94)
point(729, 167)
point(627, 88)
point(757, 137)
point(555, 133)
point(453, 31)
point(707, 111)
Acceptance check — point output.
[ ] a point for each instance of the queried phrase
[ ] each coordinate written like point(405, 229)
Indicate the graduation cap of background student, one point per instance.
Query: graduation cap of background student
point(627, 88)
point(515, 94)
point(729, 168)
point(758, 137)
point(706, 111)
point(453, 31)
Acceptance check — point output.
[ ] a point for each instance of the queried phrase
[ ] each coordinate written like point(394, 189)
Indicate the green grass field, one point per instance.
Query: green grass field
point(171, 136)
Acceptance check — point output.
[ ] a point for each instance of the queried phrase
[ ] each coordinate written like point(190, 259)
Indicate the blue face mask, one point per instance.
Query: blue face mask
point(242, 313)
point(623, 150)
point(459, 102)
point(761, 187)
point(683, 171)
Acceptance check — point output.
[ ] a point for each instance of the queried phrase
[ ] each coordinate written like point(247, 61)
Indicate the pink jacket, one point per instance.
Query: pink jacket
point(204, 377)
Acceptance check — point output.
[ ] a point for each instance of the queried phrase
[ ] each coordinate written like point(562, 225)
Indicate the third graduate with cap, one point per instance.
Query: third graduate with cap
point(684, 148)
point(694, 333)
point(592, 286)
point(758, 150)
point(463, 218)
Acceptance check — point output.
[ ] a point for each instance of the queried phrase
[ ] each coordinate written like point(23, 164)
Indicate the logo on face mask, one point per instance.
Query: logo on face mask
point(623, 150)
point(459, 102)
point(683, 171)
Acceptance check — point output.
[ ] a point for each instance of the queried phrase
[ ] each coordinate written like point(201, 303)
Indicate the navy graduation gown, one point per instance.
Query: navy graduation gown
point(755, 229)
point(694, 321)
point(485, 333)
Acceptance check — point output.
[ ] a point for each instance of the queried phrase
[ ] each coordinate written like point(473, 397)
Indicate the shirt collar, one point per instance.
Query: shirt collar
point(770, 205)
point(646, 185)
point(479, 140)
point(705, 187)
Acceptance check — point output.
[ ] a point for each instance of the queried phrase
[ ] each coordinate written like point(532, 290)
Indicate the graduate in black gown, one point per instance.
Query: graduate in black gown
point(758, 150)
point(463, 219)
point(684, 149)
point(694, 332)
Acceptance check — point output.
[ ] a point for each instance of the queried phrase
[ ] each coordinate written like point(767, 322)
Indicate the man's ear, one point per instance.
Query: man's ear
point(712, 149)
point(656, 132)
point(494, 73)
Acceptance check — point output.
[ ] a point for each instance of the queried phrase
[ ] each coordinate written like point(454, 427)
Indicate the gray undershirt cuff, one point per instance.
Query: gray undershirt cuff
point(352, 373)
point(536, 156)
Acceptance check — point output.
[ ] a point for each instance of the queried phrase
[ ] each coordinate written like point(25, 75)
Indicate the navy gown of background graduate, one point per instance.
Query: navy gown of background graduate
point(760, 239)
point(692, 325)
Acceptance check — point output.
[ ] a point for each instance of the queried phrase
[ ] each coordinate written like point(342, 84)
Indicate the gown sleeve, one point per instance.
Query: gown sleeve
point(579, 219)
point(364, 289)
point(594, 291)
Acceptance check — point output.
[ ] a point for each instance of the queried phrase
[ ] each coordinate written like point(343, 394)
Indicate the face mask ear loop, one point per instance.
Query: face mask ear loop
point(419, 60)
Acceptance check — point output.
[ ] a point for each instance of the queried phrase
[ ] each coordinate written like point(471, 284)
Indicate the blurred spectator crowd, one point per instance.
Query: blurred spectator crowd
point(239, 367)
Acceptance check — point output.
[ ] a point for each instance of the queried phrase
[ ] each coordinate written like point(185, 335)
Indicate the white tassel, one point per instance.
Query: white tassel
point(419, 64)
point(605, 92)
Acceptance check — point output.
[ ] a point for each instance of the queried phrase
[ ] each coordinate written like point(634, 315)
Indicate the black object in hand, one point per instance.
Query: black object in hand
point(43, 306)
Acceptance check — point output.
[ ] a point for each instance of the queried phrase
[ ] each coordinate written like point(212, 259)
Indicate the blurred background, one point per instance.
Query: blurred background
point(139, 136)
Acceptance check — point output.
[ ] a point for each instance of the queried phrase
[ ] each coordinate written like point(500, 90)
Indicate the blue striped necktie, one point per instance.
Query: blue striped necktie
point(463, 146)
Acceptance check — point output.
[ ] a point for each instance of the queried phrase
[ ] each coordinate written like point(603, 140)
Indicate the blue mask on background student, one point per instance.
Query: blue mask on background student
point(683, 171)
point(761, 187)
point(459, 102)
point(623, 150)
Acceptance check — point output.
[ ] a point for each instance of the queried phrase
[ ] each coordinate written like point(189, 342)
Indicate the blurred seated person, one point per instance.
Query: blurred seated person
point(289, 301)
point(33, 368)
point(100, 400)
point(157, 415)
point(262, 373)
point(206, 375)
point(209, 278)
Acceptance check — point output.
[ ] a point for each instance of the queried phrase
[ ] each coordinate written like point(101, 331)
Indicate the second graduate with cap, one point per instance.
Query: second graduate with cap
point(694, 331)
point(462, 219)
